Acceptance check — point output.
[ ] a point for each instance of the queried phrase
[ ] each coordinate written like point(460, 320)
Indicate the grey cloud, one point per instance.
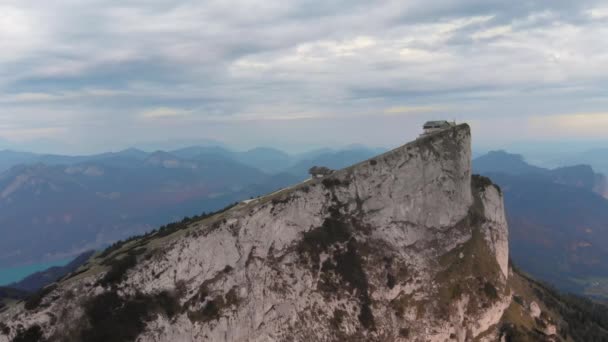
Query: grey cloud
point(92, 68)
point(503, 11)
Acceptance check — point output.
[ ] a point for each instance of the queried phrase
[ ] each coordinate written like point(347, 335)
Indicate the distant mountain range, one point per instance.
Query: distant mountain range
point(265, 159)
point(54, 206)
point(558, 221)
point(597, 158)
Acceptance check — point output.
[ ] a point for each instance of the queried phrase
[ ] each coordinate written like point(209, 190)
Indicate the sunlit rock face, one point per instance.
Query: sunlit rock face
point(407, 246)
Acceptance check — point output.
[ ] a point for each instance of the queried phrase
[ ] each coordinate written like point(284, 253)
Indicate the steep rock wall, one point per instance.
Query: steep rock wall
point(405, 246)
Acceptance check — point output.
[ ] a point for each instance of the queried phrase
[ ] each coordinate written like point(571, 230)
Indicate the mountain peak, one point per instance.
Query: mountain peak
point(503, 162)
point(132, 152)
point(403, 246)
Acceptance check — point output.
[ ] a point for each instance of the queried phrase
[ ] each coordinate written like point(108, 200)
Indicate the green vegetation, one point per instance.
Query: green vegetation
point(480, 182)
point(320, 239)
point(331, 182)
point(404, 332)
point(490, 291)
point(513, 333)
point(211, 311)
point(345, 269)
point(585, 320)
point(118, 269)
point(576, 318)
point(4, 329)
point(32, 334)
point(390, 281)
point(213, 307)
point(35, 300)
point(338, 318)
point(474, 257)
point(455, 277)
point(165, 230)
point(113, 318)
point(74, 274)
point(121, 259)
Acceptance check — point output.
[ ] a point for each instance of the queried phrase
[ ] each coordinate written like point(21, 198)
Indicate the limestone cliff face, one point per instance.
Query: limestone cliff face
point(407, 246)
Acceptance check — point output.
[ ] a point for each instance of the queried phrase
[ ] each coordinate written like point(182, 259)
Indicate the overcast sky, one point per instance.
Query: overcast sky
point(86, 76)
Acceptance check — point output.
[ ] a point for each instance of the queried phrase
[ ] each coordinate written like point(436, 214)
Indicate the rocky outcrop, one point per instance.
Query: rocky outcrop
point(407, 246)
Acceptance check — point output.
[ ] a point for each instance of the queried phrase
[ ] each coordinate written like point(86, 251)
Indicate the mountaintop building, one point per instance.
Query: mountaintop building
point(436, 126)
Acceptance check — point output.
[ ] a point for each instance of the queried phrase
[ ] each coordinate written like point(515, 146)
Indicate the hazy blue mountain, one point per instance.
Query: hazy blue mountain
point(58, 210)
point(63, 205)
point(56, 159)
point(558, 221)
point(582, 176)
point(176, 144)
point(558, 233)
point(269, 160)
point(10, 158)
point(503, 162)
point(313, 153)
point(597, 158)
point(194, 151)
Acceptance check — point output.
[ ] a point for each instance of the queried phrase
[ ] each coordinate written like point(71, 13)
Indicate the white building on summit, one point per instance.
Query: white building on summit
point(436, 126)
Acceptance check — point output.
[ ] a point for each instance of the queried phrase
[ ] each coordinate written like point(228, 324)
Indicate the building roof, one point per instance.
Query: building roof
point(438, 123)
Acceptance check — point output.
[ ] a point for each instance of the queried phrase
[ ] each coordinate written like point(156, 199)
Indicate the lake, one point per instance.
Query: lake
point(12, 274)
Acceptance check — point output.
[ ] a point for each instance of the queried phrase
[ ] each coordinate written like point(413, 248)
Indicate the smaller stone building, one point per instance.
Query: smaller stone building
point(320, 171)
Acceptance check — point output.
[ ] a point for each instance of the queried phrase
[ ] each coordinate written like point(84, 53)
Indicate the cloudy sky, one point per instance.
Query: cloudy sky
point(85, 76)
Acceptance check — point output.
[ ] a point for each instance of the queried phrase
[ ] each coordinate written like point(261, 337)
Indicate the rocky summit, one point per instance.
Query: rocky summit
point(407, 246)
